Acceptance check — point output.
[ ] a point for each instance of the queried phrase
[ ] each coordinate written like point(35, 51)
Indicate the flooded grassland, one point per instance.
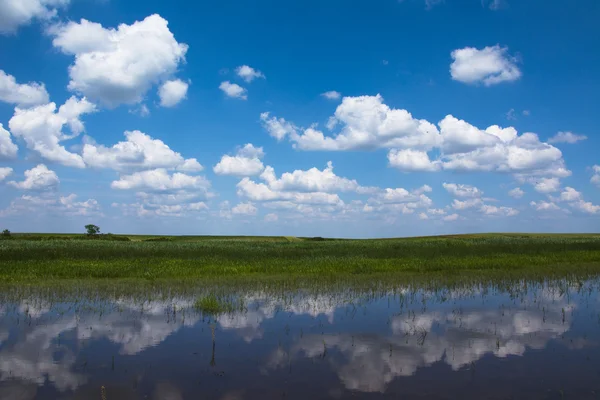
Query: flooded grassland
point(521, 339)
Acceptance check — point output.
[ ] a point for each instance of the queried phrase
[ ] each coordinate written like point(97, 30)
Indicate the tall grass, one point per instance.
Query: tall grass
point(25, 260)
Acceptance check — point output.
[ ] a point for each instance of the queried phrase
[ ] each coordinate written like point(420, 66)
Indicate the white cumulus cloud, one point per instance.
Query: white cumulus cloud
point(244, 209)
point(278, 128)
point(498, 211)
point(41, 128)
point(459, 190)
point(246, 162)
point(546, 185)
point(312, 180)
point(37, 178)
point(450, 218)
point(261, 192)
point(139, 151)
point(490, 65)
point(22, 94)
point(412, 161)
point(544, 206)
point(569, 194)
point(119, 65)
point(8, 150)
point(172, 92)
point(248, 73)
point(159, 180)
point(365, 122)
point(566, 137)
point(14, 13)
point(586, 207)
point(466, 204)
point(5, 173)
point(233, 90)
point(332, 95)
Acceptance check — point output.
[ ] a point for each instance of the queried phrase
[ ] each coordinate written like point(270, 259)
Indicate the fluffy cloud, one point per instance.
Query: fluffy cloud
point(450, 218)
point(312, 180)
point(412, 161)
point(172, 92)
point(401, 195)
point(366, 122)
point(247, 162)
point(277, 128)
point(233, 90)
point(517, 193)
point(5, 172)
point(119, 66)
point(490, 65)
point(544, 206)
point(160, 180)
point(462, 190)
point(24, 94)
point(470, 203)
point(69, 205)
point(461, 137)
point(596, 178)
point(569, 194)
point(566, 137)
point(546, 185)
point(8, 149)
point(14, 13)
point(248, 73)
point(586, 207)
point(139, 151)
point(576, 201)
point(244, 209)
point(498, 211)
point(261, 192)
point(37, 178)
point(41, 128)
point(497, 149)
point(400, 201)
point(525, 155)
point(332, 95)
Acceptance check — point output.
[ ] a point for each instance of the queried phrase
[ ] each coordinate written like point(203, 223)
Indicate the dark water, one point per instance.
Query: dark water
point(534, 341)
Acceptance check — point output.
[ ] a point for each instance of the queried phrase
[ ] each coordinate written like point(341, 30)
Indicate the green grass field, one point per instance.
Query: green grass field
point(41, 258)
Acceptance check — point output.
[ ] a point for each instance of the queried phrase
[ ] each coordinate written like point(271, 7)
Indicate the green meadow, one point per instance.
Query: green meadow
point(33, 258)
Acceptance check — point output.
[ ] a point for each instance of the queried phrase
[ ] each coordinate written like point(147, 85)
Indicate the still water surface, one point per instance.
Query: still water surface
point(533, 341)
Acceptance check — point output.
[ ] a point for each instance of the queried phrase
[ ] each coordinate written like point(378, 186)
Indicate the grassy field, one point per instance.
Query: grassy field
point(41, 258)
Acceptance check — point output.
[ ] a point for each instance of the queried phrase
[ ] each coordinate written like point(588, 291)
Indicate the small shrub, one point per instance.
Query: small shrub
point(317, 239)
point(159, 239)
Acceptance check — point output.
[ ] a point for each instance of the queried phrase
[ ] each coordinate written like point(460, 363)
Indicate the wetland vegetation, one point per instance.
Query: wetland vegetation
point(45, 258)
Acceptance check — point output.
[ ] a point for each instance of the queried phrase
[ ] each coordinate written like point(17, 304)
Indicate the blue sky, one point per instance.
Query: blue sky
point(338, 118)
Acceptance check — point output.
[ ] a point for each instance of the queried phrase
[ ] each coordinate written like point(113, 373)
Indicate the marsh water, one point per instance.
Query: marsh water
point(526, 340)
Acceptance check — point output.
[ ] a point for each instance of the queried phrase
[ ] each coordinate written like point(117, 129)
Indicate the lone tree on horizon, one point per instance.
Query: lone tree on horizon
point(92, 230)
point(6, 233)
